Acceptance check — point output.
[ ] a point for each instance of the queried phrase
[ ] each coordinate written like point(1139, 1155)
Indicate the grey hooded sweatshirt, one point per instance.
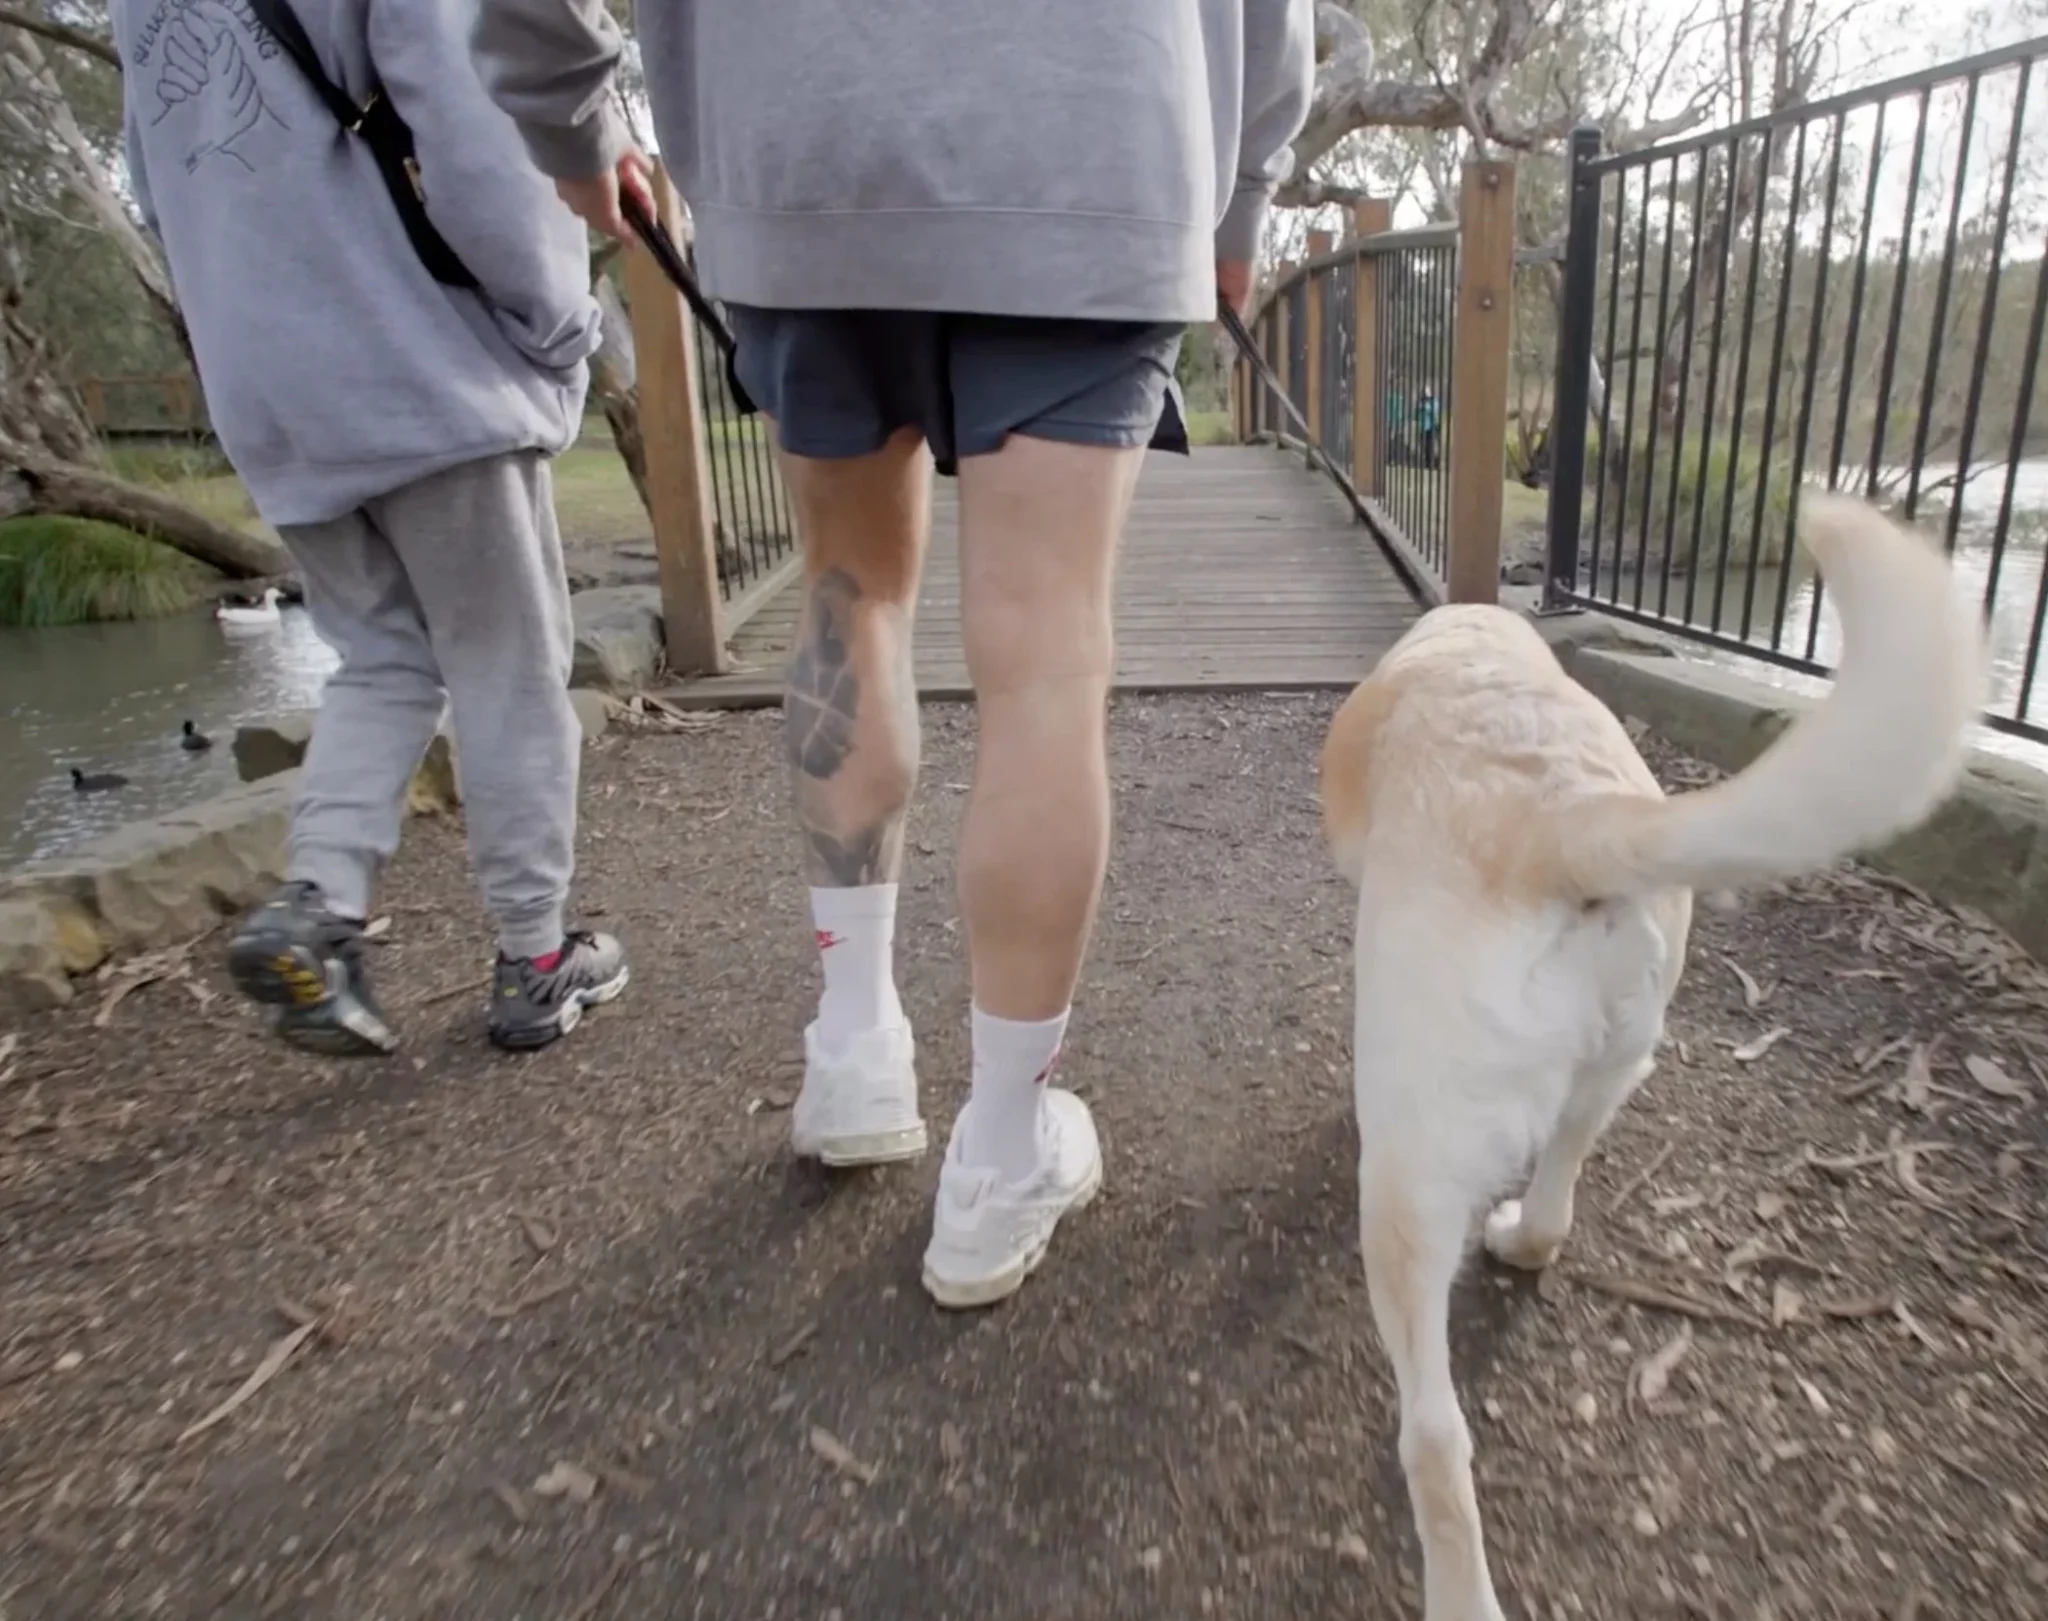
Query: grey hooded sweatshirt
point(335, 368)
point(1082, 158)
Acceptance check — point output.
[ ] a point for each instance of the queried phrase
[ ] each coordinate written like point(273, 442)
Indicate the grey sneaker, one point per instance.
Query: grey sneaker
point(532, 1006)
point(294, 953)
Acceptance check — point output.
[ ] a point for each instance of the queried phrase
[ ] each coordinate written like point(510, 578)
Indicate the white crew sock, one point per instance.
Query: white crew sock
point(1013, 1061)
point(856, 935)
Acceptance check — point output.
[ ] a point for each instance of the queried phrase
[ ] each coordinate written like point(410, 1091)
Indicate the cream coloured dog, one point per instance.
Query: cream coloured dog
point(1524, 896)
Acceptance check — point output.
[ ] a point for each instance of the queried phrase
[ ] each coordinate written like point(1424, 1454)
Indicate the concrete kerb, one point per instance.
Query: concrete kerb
point(175, 876)
point(1986, 848)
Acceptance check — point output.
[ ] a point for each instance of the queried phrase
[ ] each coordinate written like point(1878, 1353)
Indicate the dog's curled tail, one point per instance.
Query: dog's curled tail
point(1871, 761)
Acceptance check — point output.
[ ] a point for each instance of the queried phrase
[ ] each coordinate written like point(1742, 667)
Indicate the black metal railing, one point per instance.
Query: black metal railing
point(749, 506)
point(1405, 284)
point(1848, 295)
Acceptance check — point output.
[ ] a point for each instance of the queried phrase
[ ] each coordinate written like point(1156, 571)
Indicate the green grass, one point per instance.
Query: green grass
point(1210, 428)
point(68, 571)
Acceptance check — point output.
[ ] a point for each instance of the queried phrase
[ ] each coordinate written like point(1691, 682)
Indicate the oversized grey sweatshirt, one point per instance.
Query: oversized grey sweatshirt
point(336, 369)
point(1084, 158)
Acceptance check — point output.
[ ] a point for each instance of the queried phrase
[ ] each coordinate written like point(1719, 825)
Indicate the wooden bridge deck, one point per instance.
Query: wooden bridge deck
point(1241, 570)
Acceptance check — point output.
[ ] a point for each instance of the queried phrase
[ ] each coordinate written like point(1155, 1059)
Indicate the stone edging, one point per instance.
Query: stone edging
point(175, 876)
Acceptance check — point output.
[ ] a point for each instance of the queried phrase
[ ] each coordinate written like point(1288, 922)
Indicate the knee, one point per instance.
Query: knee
point(1021, 646)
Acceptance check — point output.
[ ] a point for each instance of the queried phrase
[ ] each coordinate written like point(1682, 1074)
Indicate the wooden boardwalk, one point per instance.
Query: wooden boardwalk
point(1241, 571)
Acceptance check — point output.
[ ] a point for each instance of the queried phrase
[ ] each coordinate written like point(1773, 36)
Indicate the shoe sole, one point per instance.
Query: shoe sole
point(530, 1037)
point(965, 1294)
point(317, 1015)
point(863, 1148)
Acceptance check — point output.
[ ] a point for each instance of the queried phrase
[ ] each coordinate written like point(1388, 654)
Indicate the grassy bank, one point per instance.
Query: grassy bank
point(68, 571)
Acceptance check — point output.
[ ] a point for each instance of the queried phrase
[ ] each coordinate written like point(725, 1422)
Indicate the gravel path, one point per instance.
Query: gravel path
point(572, 1337)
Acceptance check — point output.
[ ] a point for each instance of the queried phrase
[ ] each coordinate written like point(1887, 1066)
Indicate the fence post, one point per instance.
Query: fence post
point(1313, 288)
point(1572, 397)
point(1480, 347)
point(1368, 218)
point(1283, 340)
point(678, 473)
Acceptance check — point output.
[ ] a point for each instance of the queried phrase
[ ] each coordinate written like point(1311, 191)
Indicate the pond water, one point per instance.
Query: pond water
point(113, 698)
point(2014, 606)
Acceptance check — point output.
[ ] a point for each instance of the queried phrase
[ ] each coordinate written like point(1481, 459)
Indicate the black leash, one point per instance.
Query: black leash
point(1248, 347)
point(676, 268)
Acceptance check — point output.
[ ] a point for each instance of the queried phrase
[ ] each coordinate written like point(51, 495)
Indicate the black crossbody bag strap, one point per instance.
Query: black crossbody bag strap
point(390, 142)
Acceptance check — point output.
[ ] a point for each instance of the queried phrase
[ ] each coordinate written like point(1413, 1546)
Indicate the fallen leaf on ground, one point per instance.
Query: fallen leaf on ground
point(1786, 1305)
point(1753, 994)
point(1750, 1051)
point(280, 1352)
point(840, 1456)
point(1906, 1167)
point(1770, 1206)
point(377, 927)
point(538, 1233)
point(1991, 1077)
point(1655, 1378)
point(952, 1444)
point(568, 1480)
point(121, 992)
point(1918, 1083)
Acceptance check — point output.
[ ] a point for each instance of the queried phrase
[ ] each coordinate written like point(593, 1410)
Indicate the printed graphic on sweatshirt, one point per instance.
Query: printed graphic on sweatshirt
point(201, 55)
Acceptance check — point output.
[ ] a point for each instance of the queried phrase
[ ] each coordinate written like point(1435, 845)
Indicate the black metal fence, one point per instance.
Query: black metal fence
point(1390, 448)
point(749, 505)
point(1847, 295)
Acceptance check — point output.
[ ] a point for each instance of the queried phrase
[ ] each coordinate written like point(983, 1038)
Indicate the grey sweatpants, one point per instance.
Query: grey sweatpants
point(453, 584)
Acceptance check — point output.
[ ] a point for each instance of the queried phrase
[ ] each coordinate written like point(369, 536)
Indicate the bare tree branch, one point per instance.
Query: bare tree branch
point(77, 39)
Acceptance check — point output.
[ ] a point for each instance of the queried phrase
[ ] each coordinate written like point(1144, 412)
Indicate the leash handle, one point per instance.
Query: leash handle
point(673, 265)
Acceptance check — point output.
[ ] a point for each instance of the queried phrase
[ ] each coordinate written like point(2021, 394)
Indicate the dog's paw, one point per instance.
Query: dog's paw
point(1506, 1241)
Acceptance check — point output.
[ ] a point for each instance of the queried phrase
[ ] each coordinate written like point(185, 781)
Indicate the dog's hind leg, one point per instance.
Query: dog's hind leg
point(1413, 1239)
point(1529, 1231)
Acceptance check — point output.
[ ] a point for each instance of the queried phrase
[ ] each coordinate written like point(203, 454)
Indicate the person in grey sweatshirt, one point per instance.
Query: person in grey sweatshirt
point(969, 233)
point(397, 434)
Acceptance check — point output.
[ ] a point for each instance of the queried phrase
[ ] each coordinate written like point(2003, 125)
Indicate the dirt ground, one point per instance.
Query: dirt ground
point(572, 1337)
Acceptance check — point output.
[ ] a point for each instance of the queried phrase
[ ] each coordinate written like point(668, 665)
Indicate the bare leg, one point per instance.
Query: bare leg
point(1412, 1248)
point(1528, 1232)
point(851, 728)
point(1039, 528)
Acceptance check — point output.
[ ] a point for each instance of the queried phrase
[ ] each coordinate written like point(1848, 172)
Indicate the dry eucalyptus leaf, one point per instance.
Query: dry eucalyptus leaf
point(1770, 1206)
point(1750, 1051)
point(840, 1456)
point(568, 1480)
point(1918, 1083)
point(1906, 1167)
point(377, 927)
point(1812, 1393)
point(1786, 1304)
point(1992, 1078)
point(1753, 994)
point(1655, 1378)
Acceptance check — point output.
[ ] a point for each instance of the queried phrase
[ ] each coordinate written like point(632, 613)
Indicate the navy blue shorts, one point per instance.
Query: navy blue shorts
point(839, 383)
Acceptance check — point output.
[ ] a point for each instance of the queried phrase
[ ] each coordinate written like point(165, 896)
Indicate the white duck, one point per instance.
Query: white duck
point(260, 613)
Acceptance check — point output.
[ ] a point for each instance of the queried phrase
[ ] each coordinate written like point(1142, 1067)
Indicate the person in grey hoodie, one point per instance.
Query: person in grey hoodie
point(968, 232)
point(397, 434)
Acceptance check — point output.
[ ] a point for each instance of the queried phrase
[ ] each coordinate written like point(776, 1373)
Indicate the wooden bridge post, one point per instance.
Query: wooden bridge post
point(1319, 243)
point(1477, 412)
point(678, 472)
point(1369, 217)
point(1283, 344)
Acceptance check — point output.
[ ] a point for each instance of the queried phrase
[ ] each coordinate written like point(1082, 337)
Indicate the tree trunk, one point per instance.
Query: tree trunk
point(39, 113)
point(35, 483)
point(612, 381)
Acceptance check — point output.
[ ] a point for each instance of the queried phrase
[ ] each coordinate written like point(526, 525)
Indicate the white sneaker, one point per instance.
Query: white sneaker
point(859, 1107)
point(989, 1235)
